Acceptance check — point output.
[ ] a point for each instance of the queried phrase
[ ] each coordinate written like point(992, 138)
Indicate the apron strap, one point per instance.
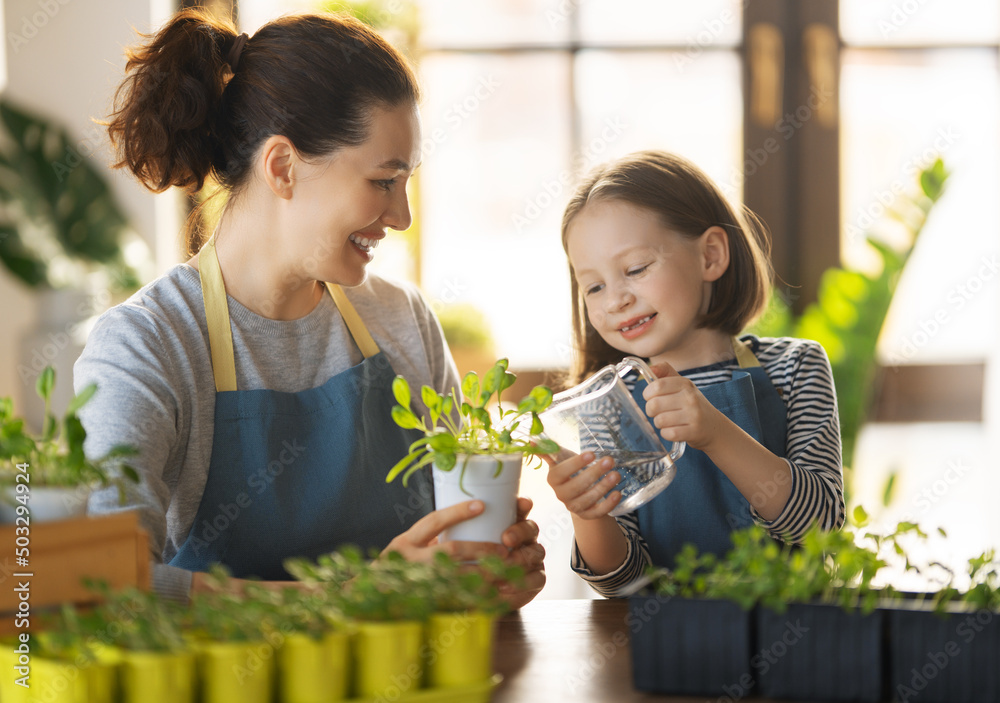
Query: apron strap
point(220, 331)
point(744, 354)
point(362, 337)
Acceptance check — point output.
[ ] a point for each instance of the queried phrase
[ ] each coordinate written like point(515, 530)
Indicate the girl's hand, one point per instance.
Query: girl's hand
point(580, 483)
point(679, 410)
point(522, 540)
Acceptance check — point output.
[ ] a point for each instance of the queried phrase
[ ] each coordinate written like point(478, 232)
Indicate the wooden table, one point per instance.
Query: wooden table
point(568, 650)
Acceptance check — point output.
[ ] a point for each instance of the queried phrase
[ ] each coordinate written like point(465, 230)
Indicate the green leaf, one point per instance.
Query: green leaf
point(932, 180)
point(888, 492)
point(405, 418)
point(481, 416)
point(470, 385)
point(542, 395)
point(494, 377)
point(544, 446)
point(401, 391)
point(46, 381)
point(506, 381)
point(860, 516)
point(445, 462)
point(81, 399)
point(431, 399)
point(536, 424)
point(402, 464)
point(442, 442)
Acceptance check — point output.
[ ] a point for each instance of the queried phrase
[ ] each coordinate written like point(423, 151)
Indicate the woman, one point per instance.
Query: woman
point(255, 387)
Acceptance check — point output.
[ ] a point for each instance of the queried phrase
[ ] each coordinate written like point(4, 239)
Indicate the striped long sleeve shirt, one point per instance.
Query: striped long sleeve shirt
point(800, 371)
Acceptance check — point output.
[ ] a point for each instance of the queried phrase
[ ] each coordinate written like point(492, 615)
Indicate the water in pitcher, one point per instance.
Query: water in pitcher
point(643, 474)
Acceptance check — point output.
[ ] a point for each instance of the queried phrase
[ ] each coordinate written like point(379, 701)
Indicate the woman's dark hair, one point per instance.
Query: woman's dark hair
point(687, 202)
point(181, 115)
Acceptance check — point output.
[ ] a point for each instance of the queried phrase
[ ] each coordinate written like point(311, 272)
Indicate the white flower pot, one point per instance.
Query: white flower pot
point(479, 482)
point(46, 503)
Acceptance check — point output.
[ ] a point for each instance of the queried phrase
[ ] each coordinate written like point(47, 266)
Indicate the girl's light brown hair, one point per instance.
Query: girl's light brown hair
point(180, 114)
point(688, 203)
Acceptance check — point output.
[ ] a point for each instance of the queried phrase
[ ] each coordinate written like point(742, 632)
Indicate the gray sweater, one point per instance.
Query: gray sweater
point(150, 358)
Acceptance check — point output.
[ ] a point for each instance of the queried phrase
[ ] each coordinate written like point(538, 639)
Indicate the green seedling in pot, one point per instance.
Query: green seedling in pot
point(462, 426)
point(56, 457)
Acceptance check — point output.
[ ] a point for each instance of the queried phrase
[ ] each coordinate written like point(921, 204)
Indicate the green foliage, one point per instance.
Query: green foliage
point(828, 567)
point(52, 196)
point(851, 307)
point(130, 619)
point(465, 325)
point(840, 567)
point(514, 431)
point(56, 457)
point(224, 614)
point(391, 588)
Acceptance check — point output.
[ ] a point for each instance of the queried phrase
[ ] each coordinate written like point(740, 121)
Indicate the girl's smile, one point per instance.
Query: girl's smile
point(636, 326)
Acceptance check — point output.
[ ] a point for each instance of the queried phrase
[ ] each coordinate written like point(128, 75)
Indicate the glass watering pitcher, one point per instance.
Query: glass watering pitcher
point(600, 415)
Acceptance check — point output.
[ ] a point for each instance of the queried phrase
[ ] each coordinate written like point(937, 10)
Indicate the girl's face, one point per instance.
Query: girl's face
point(343, 205)
point(645, 287)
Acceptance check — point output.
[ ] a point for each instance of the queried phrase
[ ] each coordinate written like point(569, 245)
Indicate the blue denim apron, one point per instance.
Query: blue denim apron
point(702, 505)
point(298, 474)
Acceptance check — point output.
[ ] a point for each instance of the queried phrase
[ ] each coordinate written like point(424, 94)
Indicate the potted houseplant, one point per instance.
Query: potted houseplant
point(687, 637)
point(486, 451)
point(807, 625)
point(156, 663)
point(227, 633)
point(388, 605)
point(459, 633)
point(818, 630)
point(68, 663)
point(49, 477)
point(63, 235)
point(943, 647)
point(313, 657)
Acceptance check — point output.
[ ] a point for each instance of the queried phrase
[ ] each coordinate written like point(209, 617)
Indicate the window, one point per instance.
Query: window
point(523, 96)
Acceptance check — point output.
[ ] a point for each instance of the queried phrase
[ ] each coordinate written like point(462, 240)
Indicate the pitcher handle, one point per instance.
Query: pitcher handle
point(633, 362)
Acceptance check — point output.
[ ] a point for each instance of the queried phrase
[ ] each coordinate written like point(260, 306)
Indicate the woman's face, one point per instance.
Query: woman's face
point(342, 205)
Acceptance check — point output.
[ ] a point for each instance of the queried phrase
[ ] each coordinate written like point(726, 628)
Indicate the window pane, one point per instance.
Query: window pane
point(901, 111)
point(493, 22)
point(916, 22)
point(494, 181)
point(696, 25)
point(695, 109)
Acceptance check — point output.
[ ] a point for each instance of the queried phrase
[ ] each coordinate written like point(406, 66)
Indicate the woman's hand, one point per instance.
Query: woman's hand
point(581, 483)
point(522, 540)
point(520, 546)
point(680, 411)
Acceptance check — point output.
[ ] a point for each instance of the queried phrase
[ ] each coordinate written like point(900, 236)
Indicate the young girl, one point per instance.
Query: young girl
point(663, 268)
point(255, 379)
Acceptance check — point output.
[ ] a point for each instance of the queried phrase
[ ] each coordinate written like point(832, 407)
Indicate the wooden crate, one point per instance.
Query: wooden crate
point(109, 547)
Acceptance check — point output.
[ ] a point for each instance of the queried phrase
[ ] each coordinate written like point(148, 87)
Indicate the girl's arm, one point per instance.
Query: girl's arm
point(581, 484)
point(615, 583)
point(608, 553)
point(788, 495)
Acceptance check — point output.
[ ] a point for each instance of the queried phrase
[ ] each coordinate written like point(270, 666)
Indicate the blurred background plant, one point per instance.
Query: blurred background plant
point(850, 310)
point(61, 223)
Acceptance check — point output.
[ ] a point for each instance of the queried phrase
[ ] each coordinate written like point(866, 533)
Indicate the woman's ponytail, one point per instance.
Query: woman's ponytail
point(165, 125)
